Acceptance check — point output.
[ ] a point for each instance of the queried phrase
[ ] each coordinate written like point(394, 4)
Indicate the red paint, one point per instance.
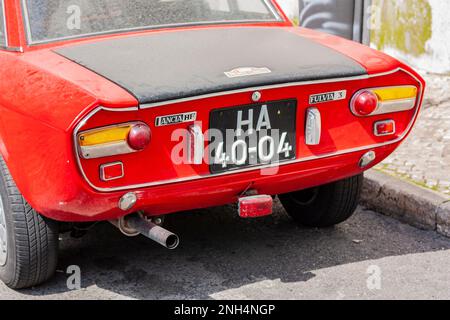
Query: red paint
point(44, 97)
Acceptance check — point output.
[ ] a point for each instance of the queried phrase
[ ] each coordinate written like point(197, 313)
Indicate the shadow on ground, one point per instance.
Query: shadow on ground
point(220, 251)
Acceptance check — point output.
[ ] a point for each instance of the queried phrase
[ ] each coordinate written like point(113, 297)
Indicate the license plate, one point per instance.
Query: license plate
point(254, 135)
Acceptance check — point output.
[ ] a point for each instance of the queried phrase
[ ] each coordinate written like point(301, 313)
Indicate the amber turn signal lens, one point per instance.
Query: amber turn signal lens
point(396, 93)
point(104, 136)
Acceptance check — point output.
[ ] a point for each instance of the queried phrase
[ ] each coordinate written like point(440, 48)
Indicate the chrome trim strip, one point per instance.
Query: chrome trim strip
point(332, 154)
point(6, 44)
point(176, 25)
point(395, 106)
point(268, 87)
point(273, 9)
point(105, 150)
point(11, 49)
point(26, 20)
point(104, 166)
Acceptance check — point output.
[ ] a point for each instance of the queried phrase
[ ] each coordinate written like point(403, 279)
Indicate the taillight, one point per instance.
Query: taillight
point(114, 140)
point(139, 137)
point(376, 101)
point(364, 103)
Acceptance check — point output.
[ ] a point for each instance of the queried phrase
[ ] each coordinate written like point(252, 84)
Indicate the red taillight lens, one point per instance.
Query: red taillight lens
point(139, 137)
point(364, 103)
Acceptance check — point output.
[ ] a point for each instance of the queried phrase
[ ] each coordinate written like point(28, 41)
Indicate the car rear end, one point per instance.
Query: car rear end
point(320, 131)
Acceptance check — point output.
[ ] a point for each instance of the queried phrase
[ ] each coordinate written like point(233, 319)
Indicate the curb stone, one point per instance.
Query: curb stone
point(443, 219)
point(406, 202)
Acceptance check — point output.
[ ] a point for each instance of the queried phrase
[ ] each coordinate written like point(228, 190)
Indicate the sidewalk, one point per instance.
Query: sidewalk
point(424, 159)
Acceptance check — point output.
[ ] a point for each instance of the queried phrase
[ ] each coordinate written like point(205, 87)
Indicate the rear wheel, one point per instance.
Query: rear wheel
point(28, 241)
point(324, 206)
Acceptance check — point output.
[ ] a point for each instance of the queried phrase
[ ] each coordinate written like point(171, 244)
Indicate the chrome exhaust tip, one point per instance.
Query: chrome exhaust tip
point(152, 231)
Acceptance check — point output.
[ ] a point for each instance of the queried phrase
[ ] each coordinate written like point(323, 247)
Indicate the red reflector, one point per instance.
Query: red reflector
point(255, 206)
point(364, 103)
point(111, 171)
point(384, 128)
point(139, 137)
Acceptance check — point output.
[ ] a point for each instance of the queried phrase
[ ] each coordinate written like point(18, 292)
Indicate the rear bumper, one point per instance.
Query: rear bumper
point(211, 191)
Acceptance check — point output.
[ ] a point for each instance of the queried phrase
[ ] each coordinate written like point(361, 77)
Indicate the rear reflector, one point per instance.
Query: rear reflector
point(384, 128)
point(139, 137)
point(111, 171)
point(255, 206)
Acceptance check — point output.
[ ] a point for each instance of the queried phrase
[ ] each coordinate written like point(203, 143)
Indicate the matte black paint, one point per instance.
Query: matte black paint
point(179, 64)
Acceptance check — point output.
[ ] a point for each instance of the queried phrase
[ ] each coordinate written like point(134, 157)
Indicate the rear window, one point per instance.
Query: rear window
point(49, 20)
point(2, 24)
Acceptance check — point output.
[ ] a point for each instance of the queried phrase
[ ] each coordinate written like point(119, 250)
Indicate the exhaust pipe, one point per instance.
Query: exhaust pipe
point(152, 231)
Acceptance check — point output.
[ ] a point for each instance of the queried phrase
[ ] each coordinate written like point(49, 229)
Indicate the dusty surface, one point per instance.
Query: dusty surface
point(223, 257)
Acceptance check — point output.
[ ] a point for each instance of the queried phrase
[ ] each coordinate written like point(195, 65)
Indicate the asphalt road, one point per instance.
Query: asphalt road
point(224, 257)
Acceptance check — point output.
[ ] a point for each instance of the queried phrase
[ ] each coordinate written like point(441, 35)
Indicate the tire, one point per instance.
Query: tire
point(31, 242)
point(324, 206)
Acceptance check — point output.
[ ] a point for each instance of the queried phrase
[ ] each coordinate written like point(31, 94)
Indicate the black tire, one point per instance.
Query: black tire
point(32, 240)
point(324, 206)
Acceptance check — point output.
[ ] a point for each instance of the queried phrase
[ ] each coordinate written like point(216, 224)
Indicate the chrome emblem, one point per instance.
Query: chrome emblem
point(247, 71)
point(328, 97)
point(175, 119)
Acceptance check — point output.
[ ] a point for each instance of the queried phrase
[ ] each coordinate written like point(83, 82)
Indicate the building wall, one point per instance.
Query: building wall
point(416, 31)
point(290, 7)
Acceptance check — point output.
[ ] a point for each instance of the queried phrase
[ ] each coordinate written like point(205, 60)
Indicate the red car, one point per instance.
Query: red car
point(126, 111)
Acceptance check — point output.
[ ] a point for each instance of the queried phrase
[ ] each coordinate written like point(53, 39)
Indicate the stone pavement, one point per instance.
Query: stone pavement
point(424, 159)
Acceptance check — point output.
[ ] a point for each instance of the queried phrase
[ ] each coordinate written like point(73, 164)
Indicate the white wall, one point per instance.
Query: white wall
point(434, 55)
point(438, 47)
point(290, 7)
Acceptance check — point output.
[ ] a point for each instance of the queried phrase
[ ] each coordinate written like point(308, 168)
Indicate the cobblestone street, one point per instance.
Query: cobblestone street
point(424, 158)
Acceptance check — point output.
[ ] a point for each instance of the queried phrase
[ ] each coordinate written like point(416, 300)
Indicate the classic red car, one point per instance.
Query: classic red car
point(126, 111)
